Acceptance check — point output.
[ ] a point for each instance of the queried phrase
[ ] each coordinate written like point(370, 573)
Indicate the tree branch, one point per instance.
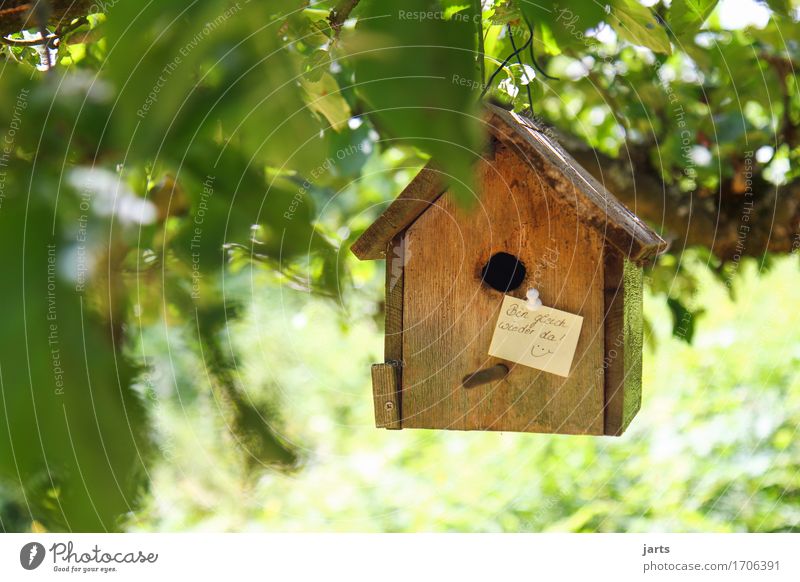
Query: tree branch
point(21, 42)
point(340, 13)
point(17, 15)
point(732, 224)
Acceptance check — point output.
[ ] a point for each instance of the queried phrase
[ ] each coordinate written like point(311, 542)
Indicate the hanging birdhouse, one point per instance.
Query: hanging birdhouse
point(521, 314)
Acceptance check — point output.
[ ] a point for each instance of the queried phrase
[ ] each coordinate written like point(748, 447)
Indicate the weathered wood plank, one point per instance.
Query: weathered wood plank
point(614, 361)
point(393, 340)
point(634, 340)
point(385, 392)
point(418, 196)
point(622, 364)
point(449, 314)
point(387, 395)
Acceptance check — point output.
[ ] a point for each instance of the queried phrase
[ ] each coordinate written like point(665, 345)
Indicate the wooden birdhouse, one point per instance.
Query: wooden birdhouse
point(468, 347)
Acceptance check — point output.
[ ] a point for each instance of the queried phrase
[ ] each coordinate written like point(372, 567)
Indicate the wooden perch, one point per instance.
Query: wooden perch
point(340, 13)
point(485, 376)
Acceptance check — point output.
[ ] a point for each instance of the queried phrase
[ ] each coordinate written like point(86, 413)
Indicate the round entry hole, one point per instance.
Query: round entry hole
point(504, 272)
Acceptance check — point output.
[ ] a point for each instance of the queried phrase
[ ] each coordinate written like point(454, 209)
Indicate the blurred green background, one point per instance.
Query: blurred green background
point(714, 447)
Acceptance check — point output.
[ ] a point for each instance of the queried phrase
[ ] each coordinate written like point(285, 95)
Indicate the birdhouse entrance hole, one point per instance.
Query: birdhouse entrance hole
point(503, 272)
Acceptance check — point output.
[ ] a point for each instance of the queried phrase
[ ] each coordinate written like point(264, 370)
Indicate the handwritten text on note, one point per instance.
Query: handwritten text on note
point(544, 338)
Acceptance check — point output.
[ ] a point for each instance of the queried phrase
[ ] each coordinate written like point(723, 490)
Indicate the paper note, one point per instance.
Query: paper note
point(544, 338)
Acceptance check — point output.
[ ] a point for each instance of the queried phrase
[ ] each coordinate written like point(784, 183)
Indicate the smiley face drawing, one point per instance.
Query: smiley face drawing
point(539, 351)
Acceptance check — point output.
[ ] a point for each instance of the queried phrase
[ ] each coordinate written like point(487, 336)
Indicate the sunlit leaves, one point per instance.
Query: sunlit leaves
point(324, 97)
point(685, 17)
point(568, 22)
point(637, 24)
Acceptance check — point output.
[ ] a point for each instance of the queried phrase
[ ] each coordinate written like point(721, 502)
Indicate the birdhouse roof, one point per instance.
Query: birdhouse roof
point(534, 145)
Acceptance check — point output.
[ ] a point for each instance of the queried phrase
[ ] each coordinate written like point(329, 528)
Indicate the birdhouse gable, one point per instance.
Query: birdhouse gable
point(534, 145)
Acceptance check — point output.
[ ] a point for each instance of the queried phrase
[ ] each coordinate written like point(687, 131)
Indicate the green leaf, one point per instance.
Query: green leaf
point(638, 25)
point(504, 13)
point(418, 77)
point(685, 17)
point(351, 148)
point(683, 320)
point(325, 98)
point(782, 7)
point(452, 7)
point(75, 439)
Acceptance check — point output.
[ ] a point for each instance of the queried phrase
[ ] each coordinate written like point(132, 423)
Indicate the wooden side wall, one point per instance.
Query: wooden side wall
point(623, 360)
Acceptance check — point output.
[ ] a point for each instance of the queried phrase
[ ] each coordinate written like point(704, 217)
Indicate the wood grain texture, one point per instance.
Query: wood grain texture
point(620, 227)
point(634, 341)
point(623, 363)
point(393, 336)
point(449, 314)
point(418, 196)
point(385, 392)
point(614, 361)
